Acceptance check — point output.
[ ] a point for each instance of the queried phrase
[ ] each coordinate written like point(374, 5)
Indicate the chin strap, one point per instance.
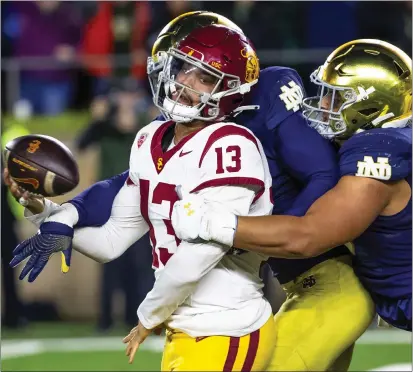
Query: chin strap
point(240, 109)
point(242, 89)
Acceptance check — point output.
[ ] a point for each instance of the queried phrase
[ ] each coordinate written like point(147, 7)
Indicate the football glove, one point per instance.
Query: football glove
point(194, 218)
point(52, 237)
point(55, 235)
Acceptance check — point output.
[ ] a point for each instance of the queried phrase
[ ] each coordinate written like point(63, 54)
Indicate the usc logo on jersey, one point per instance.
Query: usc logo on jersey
point(33, 146)
point(159, 164)
point(252, 67)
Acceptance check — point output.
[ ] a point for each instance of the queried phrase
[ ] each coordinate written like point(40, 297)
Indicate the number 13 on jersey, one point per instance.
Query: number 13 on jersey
point(232, 161)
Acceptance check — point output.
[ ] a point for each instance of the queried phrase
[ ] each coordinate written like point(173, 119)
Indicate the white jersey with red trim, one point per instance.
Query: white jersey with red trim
point(225, 163)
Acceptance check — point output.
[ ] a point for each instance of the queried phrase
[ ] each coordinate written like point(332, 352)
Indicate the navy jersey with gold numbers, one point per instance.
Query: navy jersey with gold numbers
point(383, 259)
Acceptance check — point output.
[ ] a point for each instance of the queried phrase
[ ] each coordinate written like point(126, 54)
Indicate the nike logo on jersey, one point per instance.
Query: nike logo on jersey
point(182, 153)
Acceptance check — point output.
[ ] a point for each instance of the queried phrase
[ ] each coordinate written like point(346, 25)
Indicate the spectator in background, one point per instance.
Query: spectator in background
point(118, 27)
point(387, 20)
point(280, 24)
point(116, 121)
point(46, 29)
point(330, 23)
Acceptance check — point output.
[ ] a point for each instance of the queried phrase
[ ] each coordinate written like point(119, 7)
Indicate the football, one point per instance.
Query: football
point(41, 165)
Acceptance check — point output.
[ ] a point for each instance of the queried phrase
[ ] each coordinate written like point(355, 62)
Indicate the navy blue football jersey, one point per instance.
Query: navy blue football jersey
point(383, 253)
point(303, 164)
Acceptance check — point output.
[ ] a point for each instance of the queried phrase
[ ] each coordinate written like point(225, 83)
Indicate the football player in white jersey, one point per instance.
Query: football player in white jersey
point(209, 298)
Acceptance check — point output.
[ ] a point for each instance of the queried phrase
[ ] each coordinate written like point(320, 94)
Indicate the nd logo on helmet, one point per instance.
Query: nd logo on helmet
point(252, 68)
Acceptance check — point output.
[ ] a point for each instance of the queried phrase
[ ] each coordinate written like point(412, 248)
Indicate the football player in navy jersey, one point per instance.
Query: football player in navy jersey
point(365, 104)
point(303, 165)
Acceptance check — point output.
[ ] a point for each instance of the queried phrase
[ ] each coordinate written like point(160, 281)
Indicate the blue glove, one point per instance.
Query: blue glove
point(52, 237)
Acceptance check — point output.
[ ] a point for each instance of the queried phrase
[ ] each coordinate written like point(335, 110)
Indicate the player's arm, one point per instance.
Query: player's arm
point(339, 216)
point(336, 218)
point(124, 227)
point(94, 205)
point(373, 183)
point(373, 166)
point(234, 190)
point(56, 234)
point(308, 158)
point(104, 243)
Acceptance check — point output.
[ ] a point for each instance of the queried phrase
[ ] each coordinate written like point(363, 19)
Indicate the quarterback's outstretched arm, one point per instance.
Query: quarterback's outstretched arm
point(107, 242)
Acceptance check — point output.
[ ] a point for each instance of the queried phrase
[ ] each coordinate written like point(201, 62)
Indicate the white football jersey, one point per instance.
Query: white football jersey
point(220, 159)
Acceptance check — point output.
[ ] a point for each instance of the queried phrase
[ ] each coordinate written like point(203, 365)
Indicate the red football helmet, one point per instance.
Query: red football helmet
point(206, 76)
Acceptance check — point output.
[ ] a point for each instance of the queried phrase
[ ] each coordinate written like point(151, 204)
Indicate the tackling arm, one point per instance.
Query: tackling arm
point(94, 204)
point(339, 216)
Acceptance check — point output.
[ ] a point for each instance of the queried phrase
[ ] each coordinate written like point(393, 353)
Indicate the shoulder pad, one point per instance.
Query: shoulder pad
point(230, 155)
point(284, 92)
point(383, 154)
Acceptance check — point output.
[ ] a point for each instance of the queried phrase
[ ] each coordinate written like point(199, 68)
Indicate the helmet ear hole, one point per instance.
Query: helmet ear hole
point(226, 58)
point(368, 112)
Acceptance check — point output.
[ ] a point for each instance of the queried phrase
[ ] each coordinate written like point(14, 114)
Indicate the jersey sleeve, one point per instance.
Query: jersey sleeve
point(285, 92)
point(382, 154)
point(94, 204)
point(231, 156)
point(125, 226)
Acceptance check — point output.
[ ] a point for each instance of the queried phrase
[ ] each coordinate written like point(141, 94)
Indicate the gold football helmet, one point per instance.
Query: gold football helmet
point(363, 84)
point(174, 32)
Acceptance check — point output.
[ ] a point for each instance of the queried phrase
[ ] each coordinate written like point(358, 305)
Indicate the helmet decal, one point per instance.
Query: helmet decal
point(252, 68)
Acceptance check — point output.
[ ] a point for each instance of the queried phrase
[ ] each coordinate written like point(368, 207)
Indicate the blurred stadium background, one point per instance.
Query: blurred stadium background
point(76, 70)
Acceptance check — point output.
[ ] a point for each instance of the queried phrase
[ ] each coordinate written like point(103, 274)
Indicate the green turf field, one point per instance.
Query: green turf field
point(73, 347)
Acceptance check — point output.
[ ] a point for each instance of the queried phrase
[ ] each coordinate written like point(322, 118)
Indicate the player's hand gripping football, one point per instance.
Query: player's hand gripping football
point(193, 218)
point(34, 203)
point(53, 236)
